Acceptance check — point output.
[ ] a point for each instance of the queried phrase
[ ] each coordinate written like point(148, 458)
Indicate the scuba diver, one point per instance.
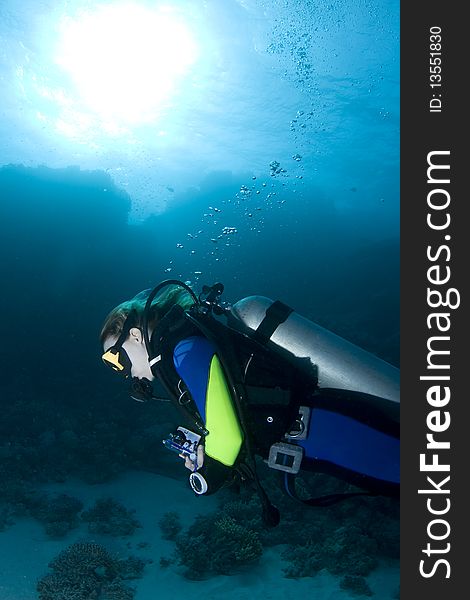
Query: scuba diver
point(257, 379)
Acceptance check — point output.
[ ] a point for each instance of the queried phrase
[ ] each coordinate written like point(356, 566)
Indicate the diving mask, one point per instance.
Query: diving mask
point(116, 357)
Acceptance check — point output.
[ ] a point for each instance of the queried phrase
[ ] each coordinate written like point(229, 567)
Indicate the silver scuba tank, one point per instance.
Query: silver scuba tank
point(340, 363)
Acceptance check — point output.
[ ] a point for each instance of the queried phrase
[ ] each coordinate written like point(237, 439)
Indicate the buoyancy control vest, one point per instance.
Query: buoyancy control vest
point(226, 385)
point(249, 386)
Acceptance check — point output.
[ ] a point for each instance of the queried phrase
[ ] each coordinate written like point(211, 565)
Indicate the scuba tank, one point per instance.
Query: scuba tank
point(357, 397)
point(339, 363)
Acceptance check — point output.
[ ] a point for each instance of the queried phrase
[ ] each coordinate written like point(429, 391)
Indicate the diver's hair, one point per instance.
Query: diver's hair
point(164, 300)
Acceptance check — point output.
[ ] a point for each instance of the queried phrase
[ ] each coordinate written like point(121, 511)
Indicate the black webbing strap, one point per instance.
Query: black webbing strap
point(276, 314)
point(327, 500)
point(220, 338)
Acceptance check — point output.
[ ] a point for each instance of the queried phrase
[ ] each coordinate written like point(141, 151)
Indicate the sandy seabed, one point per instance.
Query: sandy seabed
point(26, 551)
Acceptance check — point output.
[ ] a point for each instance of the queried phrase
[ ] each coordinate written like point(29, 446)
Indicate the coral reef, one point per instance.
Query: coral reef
point(40, 443)
point(345, 550)
point(116, 591)
point(170, 525)
point(58, 514)
point(110, 517)
point(343, 538)
point(16, 498)
point(85, 571)
point(356, 585)
point(217, 545)
point(166, 562)
point(6, 517)
point(131, 568)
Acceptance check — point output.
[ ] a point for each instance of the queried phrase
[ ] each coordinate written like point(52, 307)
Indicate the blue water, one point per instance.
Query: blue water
point(267, 158)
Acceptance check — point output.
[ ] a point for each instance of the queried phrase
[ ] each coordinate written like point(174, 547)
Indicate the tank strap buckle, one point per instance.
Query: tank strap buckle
point(300, 429)
point(285, 457)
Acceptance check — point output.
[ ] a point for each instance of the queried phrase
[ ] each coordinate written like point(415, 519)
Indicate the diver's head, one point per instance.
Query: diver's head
point(122, 336)
point(126, 352)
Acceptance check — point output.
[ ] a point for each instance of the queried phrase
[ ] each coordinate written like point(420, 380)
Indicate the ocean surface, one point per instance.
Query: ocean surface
point(249, 142)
